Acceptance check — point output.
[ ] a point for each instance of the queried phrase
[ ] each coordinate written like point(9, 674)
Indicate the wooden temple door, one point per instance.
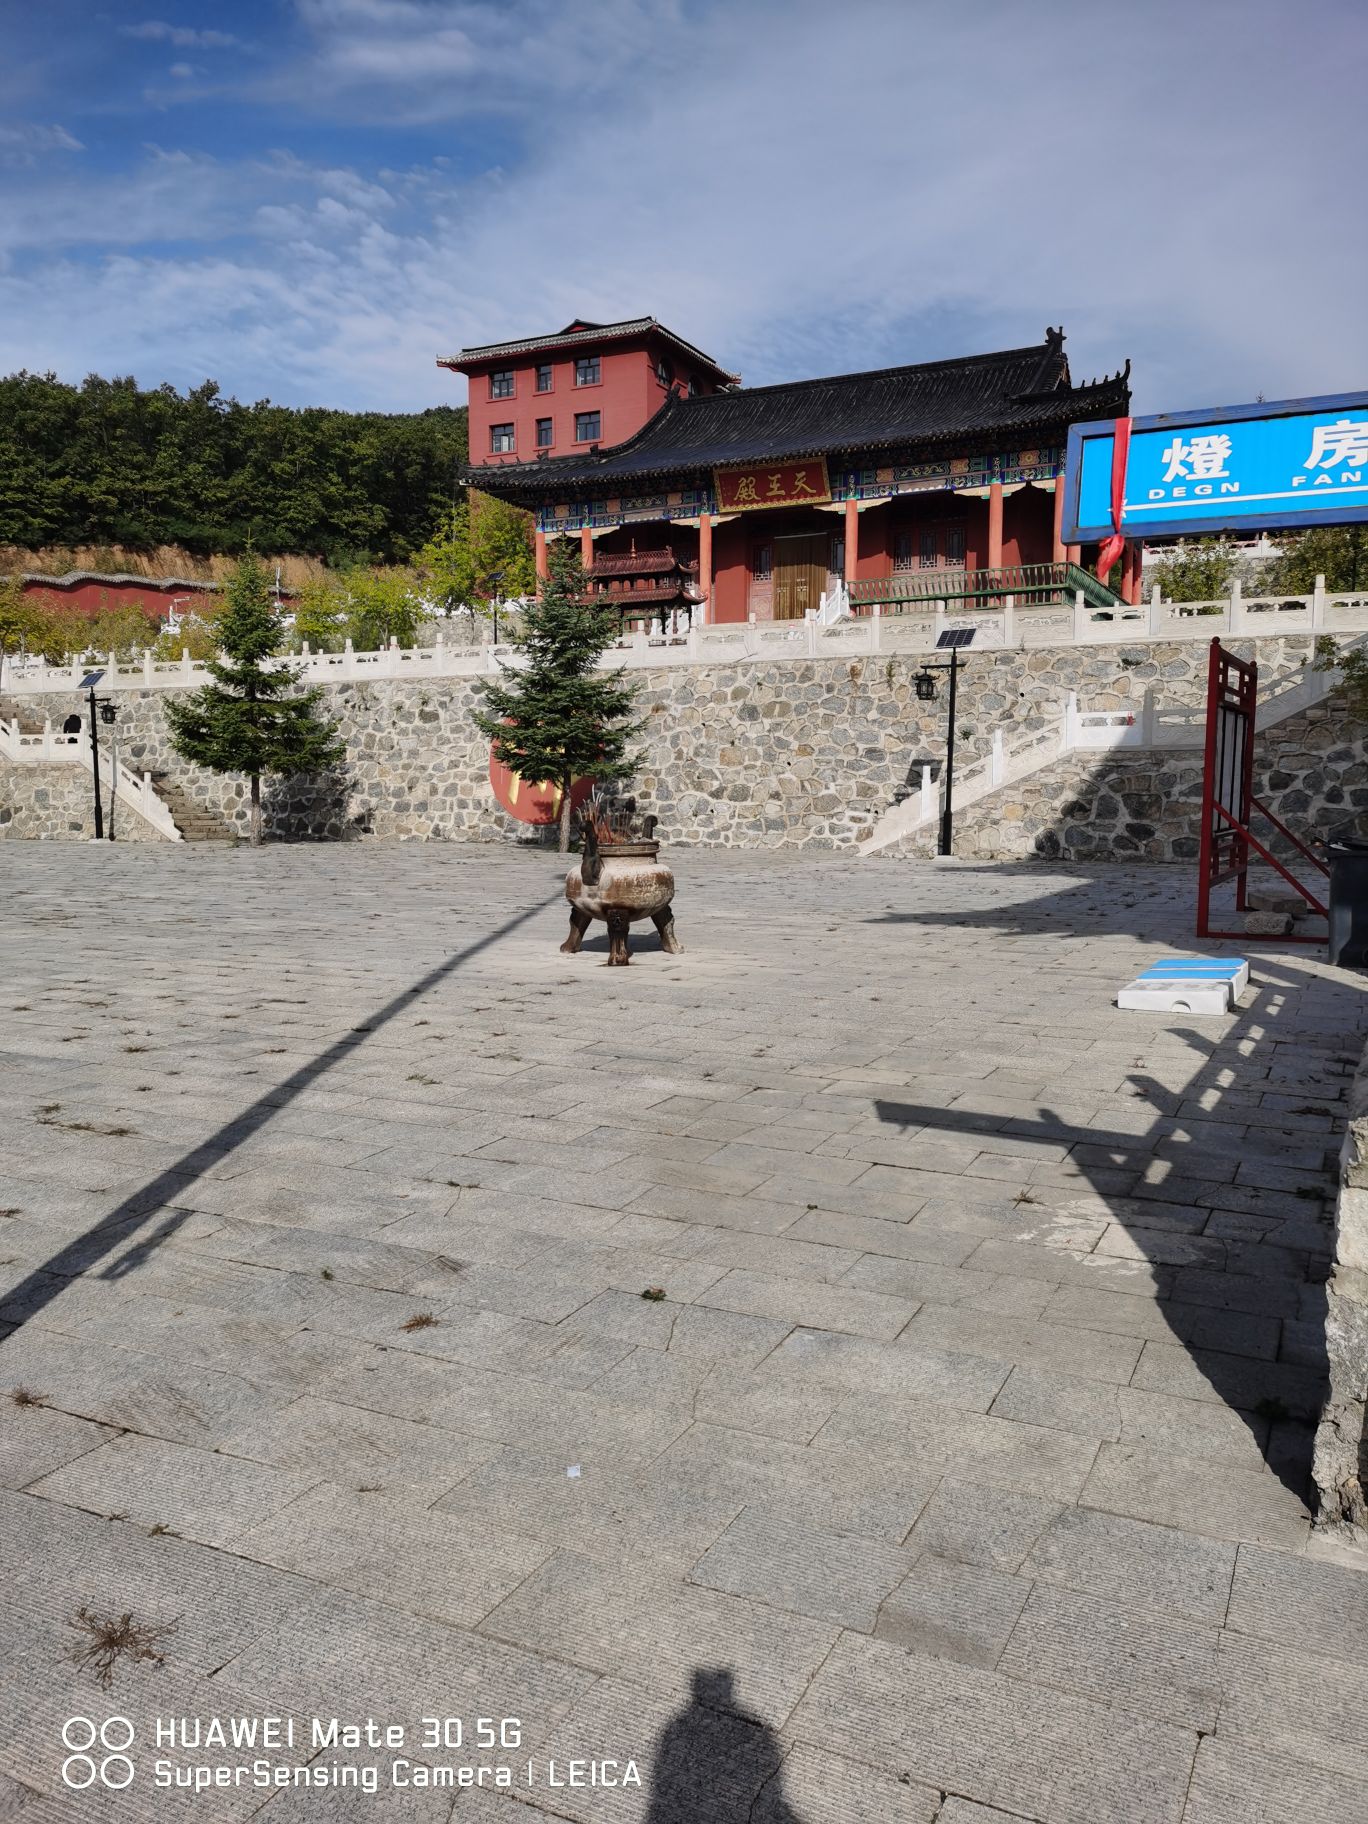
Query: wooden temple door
point(800, 575)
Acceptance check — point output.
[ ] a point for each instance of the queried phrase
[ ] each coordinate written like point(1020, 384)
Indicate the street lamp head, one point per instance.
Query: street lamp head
point(108, 712)
point(926, 686)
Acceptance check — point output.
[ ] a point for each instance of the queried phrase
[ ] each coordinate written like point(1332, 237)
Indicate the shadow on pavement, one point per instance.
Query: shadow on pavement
point(1238, 1269)
point(47, 1281)
point(714, 1762)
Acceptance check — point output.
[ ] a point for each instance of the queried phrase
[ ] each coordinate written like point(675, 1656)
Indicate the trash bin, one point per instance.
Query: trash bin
point(1347, 854)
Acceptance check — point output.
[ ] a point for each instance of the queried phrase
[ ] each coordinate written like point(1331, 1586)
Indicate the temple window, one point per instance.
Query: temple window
point(663, 371)
point(762, 563)
point(545, 434)
point(954, 546)
point(927, 559)
point(501, 384)
point(587, 427)
point(501, 439)
point(902, 551)
point(587, 371)
point(544, 377)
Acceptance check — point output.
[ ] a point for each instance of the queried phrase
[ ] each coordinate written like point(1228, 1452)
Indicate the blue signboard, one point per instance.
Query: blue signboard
point(1297, 462)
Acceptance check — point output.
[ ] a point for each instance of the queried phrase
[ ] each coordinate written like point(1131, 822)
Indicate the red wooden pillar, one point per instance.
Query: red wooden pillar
point(587, 548)
point(1057, 531)
point(852, 539)
point(1073, 553)
point(705, 570)
point(540, 542)
point(1128, 571)
point(995, 525)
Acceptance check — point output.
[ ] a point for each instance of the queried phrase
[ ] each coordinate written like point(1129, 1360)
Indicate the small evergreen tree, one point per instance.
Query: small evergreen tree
point(559, 717)
point(245, 721)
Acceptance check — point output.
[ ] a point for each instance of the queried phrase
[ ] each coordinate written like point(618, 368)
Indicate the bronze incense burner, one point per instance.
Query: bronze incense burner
point(619, 878)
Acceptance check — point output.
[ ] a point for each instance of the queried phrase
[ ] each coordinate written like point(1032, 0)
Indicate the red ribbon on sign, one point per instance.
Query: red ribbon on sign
point(1111, 548)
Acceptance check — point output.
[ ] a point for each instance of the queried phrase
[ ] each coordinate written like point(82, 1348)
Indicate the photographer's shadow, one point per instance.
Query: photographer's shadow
point(717, 1764)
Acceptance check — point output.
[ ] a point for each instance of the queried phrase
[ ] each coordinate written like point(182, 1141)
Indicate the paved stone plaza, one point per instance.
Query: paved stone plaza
point(959, 1473)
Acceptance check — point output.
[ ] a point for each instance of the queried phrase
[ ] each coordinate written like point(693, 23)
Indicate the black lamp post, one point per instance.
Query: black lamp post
point(109, 715)
point(88, 683)
point(925, 683)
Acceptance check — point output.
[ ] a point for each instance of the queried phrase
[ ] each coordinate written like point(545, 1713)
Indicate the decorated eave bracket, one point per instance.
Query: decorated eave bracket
point(1016, 468)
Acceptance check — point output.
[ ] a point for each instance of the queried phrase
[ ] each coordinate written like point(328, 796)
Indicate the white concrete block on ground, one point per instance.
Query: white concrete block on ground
point(1180, 995)
point(1187, 984)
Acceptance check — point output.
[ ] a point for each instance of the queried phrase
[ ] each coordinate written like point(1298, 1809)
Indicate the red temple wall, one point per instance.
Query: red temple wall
point(89, 598)
point(1027, 527)
point(731, 547)
point(874, 556)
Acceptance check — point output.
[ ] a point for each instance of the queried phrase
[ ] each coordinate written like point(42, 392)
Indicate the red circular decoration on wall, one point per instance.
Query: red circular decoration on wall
point(532, 803)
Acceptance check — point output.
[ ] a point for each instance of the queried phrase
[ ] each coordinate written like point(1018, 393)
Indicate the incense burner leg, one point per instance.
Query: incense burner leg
point(618, 923)
point(579, 924)
point(664, 923)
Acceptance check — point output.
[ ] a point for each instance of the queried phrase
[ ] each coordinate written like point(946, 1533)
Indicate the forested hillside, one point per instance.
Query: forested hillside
point(106, 463)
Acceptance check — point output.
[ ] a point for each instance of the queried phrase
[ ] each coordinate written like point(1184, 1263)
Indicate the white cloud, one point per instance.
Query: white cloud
point(23, 143)
point(184, 37)
point(795, 192)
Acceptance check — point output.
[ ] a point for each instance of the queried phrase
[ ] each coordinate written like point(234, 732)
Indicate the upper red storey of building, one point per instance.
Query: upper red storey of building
point(551, 396)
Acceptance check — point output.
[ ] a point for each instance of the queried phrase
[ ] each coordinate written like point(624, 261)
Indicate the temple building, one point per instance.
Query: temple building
point(939, 481)
point(646, 587)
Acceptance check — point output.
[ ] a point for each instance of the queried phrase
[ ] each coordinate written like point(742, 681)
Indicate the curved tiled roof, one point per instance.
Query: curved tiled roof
point(73, 579)
point(1022, 392)
point(634, 563)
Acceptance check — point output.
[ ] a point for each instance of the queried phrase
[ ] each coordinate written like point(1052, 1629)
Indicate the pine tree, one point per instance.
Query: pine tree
point(246, 721)
point(558, 717)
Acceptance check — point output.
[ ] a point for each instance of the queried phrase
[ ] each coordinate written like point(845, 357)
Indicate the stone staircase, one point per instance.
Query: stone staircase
point(1024, 779)
point(26, 741)
point(192, 820)
point(10, 711)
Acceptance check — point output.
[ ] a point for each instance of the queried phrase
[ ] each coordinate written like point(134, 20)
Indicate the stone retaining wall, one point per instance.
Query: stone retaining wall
point(1341, 1460)
point(1311, 771)
point(56, 804)
point(782, 752)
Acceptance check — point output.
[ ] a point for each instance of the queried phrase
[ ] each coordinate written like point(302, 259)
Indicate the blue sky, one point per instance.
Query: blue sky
point(311, 199)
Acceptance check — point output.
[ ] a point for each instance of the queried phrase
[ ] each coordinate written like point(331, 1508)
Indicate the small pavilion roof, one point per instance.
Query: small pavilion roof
point(1025, 393)
point(635, 563)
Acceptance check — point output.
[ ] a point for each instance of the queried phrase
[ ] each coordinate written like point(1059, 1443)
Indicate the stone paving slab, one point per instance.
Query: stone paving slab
point(1293, 1601)
point(958, 1476)
point(790, 1565)
point(953, 1611)
point(199, 1496)
point(1042, 1753)
point(1244, 1783)
point(640, 1622)
point(1137, 1662)
point(1195, 1495)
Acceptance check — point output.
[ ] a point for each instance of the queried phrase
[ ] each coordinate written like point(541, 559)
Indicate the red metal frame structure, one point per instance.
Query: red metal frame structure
point(1228, 801)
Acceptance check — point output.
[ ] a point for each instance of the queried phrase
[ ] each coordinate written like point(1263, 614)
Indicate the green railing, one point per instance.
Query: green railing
point(1029, 585)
